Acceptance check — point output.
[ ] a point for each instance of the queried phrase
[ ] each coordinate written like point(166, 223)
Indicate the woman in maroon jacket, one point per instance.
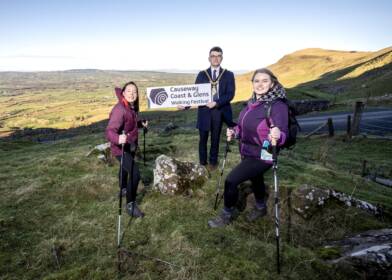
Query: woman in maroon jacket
point(123, 129)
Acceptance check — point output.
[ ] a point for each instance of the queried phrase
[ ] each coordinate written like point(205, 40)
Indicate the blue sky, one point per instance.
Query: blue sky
point(153, 35)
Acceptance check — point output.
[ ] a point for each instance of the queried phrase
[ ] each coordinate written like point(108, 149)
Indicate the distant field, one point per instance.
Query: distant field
point(71, 98)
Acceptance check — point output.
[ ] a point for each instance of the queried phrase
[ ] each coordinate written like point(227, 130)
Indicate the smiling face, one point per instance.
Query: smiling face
point(130, 93)
point(262, 83)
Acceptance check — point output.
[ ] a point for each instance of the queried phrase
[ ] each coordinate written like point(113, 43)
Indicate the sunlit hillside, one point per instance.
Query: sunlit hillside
point(322, 70)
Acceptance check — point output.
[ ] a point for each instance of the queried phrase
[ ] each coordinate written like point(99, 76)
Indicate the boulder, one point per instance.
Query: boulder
point(103, 152)
point(369, 252)
point(172, 176)
point(169, 127)
point(308, 200)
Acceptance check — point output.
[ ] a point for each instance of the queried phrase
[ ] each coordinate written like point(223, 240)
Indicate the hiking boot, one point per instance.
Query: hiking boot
point(223, 219)
point(133, 210)
point(212, 167)
point(257, 213)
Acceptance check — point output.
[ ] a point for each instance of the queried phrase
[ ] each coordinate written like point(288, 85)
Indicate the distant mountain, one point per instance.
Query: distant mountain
point(347, 74)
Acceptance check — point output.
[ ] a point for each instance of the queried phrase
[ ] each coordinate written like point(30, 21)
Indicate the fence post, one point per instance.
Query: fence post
point(364, 168)
point(349, 126)
point(331, 130)
point(357, 117)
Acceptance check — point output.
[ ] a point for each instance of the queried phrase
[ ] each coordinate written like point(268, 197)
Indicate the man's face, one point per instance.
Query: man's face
point(215, 59)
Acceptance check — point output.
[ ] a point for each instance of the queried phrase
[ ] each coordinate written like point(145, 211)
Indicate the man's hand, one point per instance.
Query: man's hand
point(229, 133)
point(211, 104)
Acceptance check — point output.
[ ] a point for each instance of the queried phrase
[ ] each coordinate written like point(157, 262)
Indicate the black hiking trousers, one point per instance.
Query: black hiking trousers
point(128, 181)
point(248, 169)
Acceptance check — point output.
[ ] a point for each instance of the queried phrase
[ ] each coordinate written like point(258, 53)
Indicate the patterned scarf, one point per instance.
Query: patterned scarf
point(277, 91)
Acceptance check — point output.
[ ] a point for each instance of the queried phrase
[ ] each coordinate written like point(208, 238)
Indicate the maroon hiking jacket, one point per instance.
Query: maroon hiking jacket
point(122, 118)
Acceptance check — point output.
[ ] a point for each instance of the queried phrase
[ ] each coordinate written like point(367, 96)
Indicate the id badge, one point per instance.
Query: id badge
point(264, 154)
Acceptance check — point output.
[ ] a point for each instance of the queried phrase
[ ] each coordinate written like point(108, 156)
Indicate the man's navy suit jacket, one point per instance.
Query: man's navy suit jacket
point(226, 94)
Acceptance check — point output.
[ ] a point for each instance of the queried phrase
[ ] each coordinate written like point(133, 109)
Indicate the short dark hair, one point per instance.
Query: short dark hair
point(216, 49)
point(274, 79)
point(136, 102)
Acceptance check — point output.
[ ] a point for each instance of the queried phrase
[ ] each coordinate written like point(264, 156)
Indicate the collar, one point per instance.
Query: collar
point(217, 70)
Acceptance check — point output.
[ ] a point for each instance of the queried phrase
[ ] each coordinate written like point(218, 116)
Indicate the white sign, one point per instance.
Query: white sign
point(185, 95)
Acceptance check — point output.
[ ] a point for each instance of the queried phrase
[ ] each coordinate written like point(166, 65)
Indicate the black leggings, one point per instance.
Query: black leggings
point(131, 184)
point(249, 169)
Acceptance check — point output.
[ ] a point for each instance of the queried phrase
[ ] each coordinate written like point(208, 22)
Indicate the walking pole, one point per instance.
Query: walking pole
point(276, 187)
point(144, 144)
point(218, 197)
point(120, 196)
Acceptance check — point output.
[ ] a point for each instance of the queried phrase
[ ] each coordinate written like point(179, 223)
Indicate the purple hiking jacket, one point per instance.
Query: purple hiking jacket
point(252, 128)
point(122, 118)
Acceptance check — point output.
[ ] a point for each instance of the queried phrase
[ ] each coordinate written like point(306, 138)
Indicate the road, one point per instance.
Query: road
point(373, 121)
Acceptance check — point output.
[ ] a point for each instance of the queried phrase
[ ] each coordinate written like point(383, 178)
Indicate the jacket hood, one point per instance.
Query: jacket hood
point(119, 95)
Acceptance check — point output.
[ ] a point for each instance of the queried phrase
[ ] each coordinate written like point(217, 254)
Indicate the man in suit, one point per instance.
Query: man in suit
point(211, 117)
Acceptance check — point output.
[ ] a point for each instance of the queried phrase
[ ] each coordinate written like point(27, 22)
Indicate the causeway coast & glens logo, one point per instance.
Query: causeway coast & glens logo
point(158, 95)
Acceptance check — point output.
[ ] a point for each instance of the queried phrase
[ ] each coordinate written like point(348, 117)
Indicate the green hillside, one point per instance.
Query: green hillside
point(326, 73)
point(69, 99)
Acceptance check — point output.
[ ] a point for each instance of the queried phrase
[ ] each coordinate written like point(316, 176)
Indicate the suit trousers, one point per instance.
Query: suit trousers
point(215, 128)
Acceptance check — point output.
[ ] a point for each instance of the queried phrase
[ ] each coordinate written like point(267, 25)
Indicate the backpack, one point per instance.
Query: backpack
point(293, 125)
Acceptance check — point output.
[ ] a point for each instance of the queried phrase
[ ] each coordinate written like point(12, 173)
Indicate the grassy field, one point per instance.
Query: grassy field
point(59, 211)
point(59, 208)
point(69, 99)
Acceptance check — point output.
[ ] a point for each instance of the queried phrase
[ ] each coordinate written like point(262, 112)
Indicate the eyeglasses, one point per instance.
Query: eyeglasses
point(216, 56)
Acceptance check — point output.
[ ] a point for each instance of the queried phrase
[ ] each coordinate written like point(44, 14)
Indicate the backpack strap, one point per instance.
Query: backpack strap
point(268, 114)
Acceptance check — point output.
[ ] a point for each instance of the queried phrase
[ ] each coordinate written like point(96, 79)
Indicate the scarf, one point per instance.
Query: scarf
point(276, 92)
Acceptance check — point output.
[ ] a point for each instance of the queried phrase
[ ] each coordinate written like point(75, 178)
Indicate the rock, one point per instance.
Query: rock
point(308, 200)
point(350, 201)
point(170, 126)
point(306, 106)
point(172, 176)
point(103, 151)
point(369, 252)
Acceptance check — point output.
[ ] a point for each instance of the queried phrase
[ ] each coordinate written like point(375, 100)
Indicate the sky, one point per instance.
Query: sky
point(177, 35)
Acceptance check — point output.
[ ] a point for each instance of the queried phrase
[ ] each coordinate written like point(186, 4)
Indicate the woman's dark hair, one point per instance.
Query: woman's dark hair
point(136, 102)
point(268, 72)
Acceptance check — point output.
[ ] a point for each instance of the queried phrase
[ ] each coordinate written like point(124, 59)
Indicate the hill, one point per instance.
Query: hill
point(326, 73)
point(68, 99)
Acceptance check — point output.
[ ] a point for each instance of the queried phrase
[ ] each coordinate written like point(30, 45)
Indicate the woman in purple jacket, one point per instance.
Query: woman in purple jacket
point(123, 129)
point(255, 133)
